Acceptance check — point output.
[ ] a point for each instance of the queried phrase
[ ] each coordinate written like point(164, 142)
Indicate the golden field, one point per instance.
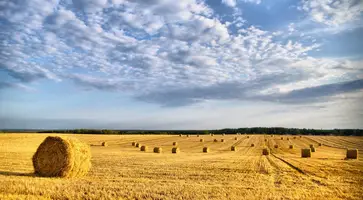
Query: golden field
point(122, 171)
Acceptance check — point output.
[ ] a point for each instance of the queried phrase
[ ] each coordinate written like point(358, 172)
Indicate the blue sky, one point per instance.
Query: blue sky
point(191, 64)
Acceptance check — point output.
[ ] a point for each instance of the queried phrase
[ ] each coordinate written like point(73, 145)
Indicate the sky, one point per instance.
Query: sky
point(189, 64)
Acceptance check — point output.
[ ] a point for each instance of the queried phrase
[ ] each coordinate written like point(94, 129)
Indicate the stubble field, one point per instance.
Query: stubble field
point(122, 171)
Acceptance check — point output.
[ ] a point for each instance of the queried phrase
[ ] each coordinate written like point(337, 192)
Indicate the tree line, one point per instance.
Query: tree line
point(253, 130)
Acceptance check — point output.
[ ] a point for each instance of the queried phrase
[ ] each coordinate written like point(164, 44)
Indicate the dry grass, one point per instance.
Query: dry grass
point(121, 171)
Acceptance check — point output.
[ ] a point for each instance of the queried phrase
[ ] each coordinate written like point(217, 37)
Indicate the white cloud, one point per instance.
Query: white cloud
point(333, 12)
point(230, 3)
point(157, 47)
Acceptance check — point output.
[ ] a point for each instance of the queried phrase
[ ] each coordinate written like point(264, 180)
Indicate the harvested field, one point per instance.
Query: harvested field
point(122, 171)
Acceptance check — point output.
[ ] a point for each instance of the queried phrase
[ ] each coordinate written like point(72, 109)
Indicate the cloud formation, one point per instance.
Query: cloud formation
point(167, 52)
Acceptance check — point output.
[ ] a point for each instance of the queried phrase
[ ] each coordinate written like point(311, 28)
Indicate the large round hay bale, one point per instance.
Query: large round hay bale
point(215, 140)
point(197, 135)
point(144, 148)
point(233, 148)
point(175, 143)
point(211, 134)
point(158, 150)
point(265, 151)
point(222, 140)
point(62, 157)
point(276, 146)
point(206, 149)
point(265, 140)
point(201, 140)
point(188, 135)
point(252, 145)
point(248, 136)
point(180, 135)
point(287, 139)
point(319, 144)
point(311, 145)
point(352, 153)
point(138, 145)
point(133, 143)
point(291, 146)
point(175, 150)
point(294, 137)
point(223, 134)
point(236, 138)
point(312, 149)
point(282, 138)
point(305, 153)
point(104, 144)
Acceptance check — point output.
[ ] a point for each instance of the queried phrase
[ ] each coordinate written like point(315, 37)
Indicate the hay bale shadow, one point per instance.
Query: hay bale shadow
point(7, 173)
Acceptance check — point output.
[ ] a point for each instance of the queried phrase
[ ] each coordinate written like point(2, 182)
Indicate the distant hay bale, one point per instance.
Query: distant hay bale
point(223, 134)
point(252, 145)
point(133, 143)
point(180, 135)
point(201, 140)
point(236, 138)
point(248, 136)
point(197, 135)
point(282, 138)
point(206, 149)
point(294, 137)
point(265, 151)
point(352, 153)
point(320, 144)
point(287, 139)
point(305, 153)
point(312, 149)
point(211, 134)
point(222, 140)
point(300, 136)
point(62, 157)
point(104, 144)
point(144, 148)
point(175, 143)
point(265, 140)
point(291, 146)
point(215, 140)
point(158, 150)
point(233, 148)
point(188, 136)
point(272, 135)
point(175, 150)
point(137, 145)
point(276, 146)
point(311, 145)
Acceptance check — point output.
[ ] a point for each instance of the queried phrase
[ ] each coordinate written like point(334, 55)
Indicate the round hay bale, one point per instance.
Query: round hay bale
point(180, 135)
point(222, 140)
point(62, 157)
point(294, 137)
point(197, 135)
point(312, 149)
point(236, 138)
point(211, 134)
point(206, 149)
point(248, 136)
point(133, 143)
point(137, 145)
point(352, 154)
point(175, 150)
point(144, 148)
point(252, 145)
point(104, 144)
point(282, 138)
point(276, 146)
point(300, 136)
point(320, 144)
point(223, 134)
point(158, 150)
point(265, 152)
point(188, 135)
point(305, 153)
point(175, 143)
point(215, 140)
point(287, 139)
point(291, 146)
point(233, 148)
point(201, 140)
point(311, 145)
point(265, 140)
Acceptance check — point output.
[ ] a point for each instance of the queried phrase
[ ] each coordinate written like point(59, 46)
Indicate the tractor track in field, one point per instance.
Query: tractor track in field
point(289, 164)
point(324, 144)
